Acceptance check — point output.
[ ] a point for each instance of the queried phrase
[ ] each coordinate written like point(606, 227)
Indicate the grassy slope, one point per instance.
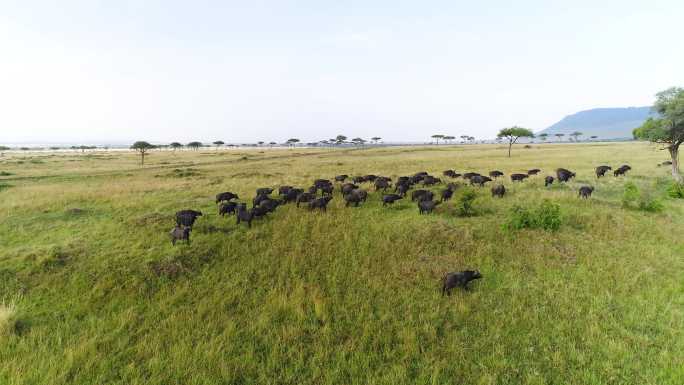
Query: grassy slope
point(350, 296)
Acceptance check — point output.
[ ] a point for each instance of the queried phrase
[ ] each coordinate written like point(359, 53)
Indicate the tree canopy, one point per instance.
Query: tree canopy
point(667, 128)
point(142, 148)
point(512, 134)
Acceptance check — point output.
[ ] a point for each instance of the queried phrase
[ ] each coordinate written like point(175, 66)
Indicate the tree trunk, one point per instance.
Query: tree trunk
point(510, 144)
point(674, 155)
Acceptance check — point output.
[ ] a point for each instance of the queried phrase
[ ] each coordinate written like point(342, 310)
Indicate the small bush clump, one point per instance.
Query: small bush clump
point(8, 318)
point(638, 200)
point(464, 205)
point(675, 190)
point(547, 216)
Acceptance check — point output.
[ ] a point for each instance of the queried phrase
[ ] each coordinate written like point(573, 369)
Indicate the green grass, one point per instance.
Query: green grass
point(351, 296)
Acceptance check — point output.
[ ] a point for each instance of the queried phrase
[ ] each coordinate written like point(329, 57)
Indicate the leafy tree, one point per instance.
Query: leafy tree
point(464, 138)
point(576, 135)
point(340, 139)
point(195, 145)
point(142, 148)
point(543, 136)
point(514, 133)
point(437, 137)
point(667, 128)
point(560, 136)
point(292, 142)
point(471, 138)
point(175, 146)
point(218, 143)
point(358, 141)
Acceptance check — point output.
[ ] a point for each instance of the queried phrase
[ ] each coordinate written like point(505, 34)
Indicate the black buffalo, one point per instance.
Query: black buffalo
point(459, 279)
point(498, 191)
point(601, 170)
point(389, 199)
point(564, 175)
point(585, 191)
point(180, 234)
point(519, 177)
point(226, 196)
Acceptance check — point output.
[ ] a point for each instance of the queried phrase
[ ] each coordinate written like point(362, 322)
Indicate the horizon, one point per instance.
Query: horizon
point(241, 73)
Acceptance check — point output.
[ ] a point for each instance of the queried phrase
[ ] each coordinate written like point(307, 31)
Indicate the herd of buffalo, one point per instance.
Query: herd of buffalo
point(321, 193)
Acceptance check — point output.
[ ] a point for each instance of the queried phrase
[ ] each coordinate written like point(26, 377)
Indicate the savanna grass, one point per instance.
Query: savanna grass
point(349, 296)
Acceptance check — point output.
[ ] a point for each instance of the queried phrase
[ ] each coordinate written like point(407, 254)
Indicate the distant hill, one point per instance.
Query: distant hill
point(606, 123)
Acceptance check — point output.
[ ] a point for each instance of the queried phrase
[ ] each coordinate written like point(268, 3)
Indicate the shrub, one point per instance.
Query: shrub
point(546, 216)
point(8, 318)
point(638, 200)
point(630, 196)
point(675, 190)
point(464, 206)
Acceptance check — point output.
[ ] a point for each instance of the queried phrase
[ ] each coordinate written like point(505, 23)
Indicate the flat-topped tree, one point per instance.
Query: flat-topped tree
point(292, 142)
point(376, 139)
point(339, 139)
point(195, 145)
point(543, 136)
point(437, 137)
point(560, 136)
point(142, 148)
point(358, 141)
point(512, 134)
point(593, 137)
point(218, 143)
point(667, 128)
point(175, 146)
point(576, 135)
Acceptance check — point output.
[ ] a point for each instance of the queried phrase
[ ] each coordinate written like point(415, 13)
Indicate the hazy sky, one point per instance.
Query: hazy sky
point(116, 70)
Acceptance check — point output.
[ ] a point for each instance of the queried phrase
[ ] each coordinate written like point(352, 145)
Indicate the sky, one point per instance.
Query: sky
point(243, 71)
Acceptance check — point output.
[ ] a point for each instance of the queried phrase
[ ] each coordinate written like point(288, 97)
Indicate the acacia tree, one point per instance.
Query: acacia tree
point(376, 139)
point(175, 146)
point(218, 144)
point(576, 135)
point(560, 136)
point(292, 142)
point(593, 137)
point(512, 134)
point(449, 138)
point(667, 128)
point(543, 136)
point(142, 148)
point(195, 145)
point(359, 141)
point(437, 137)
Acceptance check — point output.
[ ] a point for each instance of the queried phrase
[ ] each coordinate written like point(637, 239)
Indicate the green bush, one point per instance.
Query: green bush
point(464, 205)
point(638, 200)
point(631, 195)
point(675, 190)
point(546, 216)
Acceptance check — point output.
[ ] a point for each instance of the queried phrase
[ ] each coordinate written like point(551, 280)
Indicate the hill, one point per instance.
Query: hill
point(606, 123)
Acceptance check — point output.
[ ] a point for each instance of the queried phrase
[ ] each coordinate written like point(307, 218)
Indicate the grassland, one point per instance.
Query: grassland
point(92, 292)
